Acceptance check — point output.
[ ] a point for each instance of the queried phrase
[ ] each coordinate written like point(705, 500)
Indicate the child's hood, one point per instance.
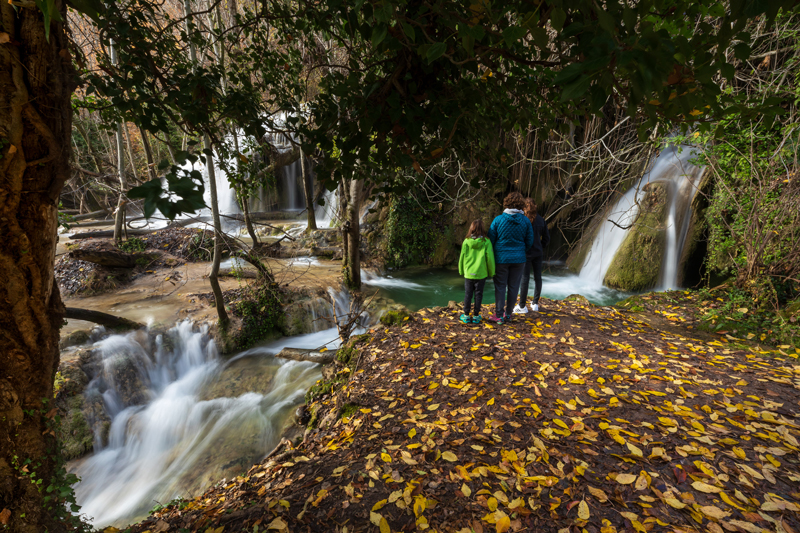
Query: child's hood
point(476, 244)
point(515, 216)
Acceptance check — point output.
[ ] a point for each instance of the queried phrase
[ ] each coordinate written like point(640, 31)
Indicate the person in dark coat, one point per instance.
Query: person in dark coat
point(511, 234)
point(534, 256)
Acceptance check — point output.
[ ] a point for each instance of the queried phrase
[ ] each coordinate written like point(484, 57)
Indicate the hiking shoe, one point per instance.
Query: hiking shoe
point(495, 319)
point(476, 319)
point(520, 310)
point(465, 319)
point(536, 308)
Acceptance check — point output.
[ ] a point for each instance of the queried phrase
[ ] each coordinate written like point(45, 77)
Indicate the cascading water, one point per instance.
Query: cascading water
point(177, 424)
point(672, 167)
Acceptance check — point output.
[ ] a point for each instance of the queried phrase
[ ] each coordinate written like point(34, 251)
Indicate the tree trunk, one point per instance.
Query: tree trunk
point(353, 269)
point(123, 185)
point(130, 153)
point(248, 222)
point(213, 277)
point(35, 128)
point(307, 187)
point(116, 323)
point(148, 153)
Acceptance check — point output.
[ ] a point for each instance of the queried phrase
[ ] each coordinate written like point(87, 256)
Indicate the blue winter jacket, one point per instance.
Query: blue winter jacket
point(511, 234)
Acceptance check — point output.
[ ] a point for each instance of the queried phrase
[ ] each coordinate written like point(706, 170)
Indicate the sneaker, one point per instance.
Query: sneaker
point(520, 310)
point(507, 319)
point(476, 319)
point(536, 308)
point(465, 319)
point(495, 319)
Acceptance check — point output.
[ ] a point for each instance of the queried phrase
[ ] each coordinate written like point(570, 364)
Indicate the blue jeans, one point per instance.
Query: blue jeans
point(507, 277)
point(536, 265)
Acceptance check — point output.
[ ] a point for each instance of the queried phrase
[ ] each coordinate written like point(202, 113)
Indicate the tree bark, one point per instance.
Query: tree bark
point(353, 268)
point(35, 128)
point(213, 277)
point(148, 153)
point(307, 187)
point(116, 323)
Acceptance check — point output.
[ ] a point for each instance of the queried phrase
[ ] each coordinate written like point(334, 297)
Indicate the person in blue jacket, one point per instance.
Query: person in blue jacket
point(511, 234)
point(534, 255)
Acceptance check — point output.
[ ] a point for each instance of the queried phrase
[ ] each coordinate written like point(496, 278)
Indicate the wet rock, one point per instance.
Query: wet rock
point(78, 414)
point(248, 374)
point(637, 264)
point(76, 338)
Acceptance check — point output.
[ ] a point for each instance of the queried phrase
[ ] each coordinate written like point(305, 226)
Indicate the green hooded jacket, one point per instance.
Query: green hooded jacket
point(477, 259)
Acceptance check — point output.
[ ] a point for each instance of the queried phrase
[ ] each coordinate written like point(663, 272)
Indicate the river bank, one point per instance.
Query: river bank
point(582, 416)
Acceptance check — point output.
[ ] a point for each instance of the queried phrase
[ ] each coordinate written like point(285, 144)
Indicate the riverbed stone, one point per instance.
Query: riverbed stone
point(637, 264)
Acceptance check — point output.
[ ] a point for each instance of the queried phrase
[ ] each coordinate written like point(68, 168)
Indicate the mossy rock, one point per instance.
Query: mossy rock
point(76, 338)
point(637, 264)
point(394, 317)
point(631, 303)
point(579, 298)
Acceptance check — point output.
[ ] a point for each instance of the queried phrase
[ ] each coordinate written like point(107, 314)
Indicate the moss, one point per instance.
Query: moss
point(74, 432)
point(394, 317)
point(637, 264)
point(631, 303)
point(577, 298)
point(347, 410)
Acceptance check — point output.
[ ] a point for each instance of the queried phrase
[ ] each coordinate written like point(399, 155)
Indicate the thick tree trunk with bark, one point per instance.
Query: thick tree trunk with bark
point(36, 81)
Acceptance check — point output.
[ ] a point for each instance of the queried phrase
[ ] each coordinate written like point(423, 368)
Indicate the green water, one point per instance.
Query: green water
point(424, 287)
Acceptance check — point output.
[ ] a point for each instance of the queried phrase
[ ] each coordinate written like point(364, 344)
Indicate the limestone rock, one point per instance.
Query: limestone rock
point(637, 264)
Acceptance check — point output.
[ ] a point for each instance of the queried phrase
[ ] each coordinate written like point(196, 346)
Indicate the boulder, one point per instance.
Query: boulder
point(637, 264)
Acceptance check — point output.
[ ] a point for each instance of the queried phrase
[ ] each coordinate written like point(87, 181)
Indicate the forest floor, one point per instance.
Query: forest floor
point(577, 419)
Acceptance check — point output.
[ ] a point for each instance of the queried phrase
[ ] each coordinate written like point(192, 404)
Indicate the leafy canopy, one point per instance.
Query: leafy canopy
point(400, 84)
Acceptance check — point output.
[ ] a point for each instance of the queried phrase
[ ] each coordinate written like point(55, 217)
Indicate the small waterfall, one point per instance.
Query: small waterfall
point(181, 418)
point(672, 167)
point(326, 214)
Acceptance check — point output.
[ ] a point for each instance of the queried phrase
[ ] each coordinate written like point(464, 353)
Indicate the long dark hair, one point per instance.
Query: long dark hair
point(531, 209)
point(476, 229)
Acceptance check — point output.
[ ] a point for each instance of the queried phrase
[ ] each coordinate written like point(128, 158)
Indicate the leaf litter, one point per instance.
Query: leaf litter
point(582, 418)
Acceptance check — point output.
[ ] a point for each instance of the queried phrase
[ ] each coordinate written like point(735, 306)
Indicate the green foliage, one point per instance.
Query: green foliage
point(132, 245)
point(64, 220)
point(347, 410)
point(261, 313)
point(179, 503)
point(419, 81)
point(737, 314)
point(413, 230)
point(59, 496)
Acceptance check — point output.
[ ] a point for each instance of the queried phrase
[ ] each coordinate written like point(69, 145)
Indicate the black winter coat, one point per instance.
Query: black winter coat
point(541, 238)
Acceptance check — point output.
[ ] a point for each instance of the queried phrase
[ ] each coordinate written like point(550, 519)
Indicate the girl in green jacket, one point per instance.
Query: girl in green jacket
point(475, 264)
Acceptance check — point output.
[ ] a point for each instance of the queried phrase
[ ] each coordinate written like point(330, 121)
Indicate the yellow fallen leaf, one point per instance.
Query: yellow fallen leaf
point(634, 450)
point(384, 526)
point(714, 512)
point(601, 496)
point(583, 510)
point(492, 504)
point(502, 523)
point(433, 407)
point(672, 502)
point(466, 490)
point(625, 479)
point(379, 505)
point(705, 487)
point(449, 456)
point(278, 524)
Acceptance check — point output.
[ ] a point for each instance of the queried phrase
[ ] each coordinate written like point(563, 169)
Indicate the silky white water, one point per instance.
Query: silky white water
point(673, 168)
point(192, 427)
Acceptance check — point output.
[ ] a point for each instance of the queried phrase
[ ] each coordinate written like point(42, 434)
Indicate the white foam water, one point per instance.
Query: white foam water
point(175, 444)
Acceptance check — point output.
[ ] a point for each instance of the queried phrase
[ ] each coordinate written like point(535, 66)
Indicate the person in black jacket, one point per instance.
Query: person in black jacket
point(534, 256)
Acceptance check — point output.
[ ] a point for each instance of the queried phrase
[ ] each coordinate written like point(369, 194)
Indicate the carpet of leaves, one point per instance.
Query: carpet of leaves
point(578, 419)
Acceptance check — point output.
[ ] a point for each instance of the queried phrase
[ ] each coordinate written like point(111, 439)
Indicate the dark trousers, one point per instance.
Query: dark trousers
point(534, 264)
point(507, 277)
point(473, 287)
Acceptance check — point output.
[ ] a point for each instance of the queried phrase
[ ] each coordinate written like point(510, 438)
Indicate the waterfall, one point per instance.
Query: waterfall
point(673, 168)
point(326, 214)
point(177, 423)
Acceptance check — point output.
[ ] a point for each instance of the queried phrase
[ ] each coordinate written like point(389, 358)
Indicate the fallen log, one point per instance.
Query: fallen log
point(326, 251)
point(104, 319)
point(105, 234)
point(93, 223)
point(303, 354)
point(93, 214)
point(110, 258)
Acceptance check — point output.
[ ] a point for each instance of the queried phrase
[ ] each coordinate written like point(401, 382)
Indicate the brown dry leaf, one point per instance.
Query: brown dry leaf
point(278, 524)
point(601, 496)
point(625, 479)
point(714, 512)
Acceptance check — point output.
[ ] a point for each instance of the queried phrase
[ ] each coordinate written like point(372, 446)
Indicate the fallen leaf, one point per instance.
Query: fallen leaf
point(449, 456)
point(465, 490)
point(583, 510)
point(705, 487)
point(625, 479)
point(601, 496)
